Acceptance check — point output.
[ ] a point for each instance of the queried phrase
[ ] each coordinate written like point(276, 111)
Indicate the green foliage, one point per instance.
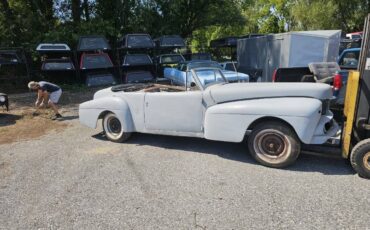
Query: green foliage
point(202, 37)
point(267, 16)
point(29, 22)
point(351, 14)
point(314, 15)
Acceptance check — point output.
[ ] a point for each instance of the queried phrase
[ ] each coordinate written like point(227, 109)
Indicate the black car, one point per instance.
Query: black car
point(167, 60)
point(95, 56)
point(136, 41)
point(93, 42)
point(170, 42)
point(137, 68)
point(57, 63)
point(14, 69)
point(97, 69)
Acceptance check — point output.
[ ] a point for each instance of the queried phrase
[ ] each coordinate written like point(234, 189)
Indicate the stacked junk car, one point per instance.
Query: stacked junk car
point(95, 61)
point(57, 63)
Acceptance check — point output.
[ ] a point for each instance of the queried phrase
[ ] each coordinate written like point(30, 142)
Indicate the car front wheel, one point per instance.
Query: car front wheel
point(274, 144)
point(113, 128)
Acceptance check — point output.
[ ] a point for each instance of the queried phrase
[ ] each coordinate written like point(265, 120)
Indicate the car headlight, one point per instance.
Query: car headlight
point(2, 99)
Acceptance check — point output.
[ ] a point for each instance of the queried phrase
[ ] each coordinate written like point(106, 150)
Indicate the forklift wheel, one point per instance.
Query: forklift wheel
point(360, 158)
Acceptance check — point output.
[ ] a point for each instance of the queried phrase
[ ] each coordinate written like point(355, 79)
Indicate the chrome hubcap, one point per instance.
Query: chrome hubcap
point(114, 125)
point(271, 145)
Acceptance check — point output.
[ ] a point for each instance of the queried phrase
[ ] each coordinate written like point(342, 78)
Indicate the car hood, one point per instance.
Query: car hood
point(241, 91)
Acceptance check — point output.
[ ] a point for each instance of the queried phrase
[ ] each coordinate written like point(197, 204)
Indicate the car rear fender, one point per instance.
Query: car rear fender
point(91, 111)
point(230, 121)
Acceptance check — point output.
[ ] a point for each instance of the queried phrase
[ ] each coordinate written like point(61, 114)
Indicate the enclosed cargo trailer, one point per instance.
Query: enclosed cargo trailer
point(260, 56)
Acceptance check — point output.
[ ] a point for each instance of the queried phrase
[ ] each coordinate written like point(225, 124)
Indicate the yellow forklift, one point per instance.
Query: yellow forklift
point(355, 141)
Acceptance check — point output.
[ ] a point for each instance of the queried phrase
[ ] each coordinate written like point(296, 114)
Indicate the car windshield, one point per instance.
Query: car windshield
point(169, 59)
point(57, 66)
point(139, 76)
point(8, 58)
point(204, 64)
point(93, 43)
point(356, 36)
point(207, 77)
point(230, 66)
point(94, 61)
point(350, 59)
point(137, 59)
point(99, 79)
point(139, 41)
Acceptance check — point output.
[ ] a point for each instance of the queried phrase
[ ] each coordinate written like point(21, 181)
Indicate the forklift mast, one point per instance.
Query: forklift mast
point(361, 128)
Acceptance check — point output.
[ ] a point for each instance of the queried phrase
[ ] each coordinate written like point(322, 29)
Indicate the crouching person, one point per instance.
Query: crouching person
point(46, 92)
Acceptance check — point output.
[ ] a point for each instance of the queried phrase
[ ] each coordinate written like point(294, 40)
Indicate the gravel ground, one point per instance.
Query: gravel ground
point(75, 179)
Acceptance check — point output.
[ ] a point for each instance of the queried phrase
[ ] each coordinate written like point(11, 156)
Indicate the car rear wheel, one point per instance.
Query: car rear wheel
point(274, 144)
point(113, 128)
point(360, 158)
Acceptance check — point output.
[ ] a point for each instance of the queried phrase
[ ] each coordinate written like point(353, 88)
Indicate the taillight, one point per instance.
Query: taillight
point(337, 83)
point(274, 75)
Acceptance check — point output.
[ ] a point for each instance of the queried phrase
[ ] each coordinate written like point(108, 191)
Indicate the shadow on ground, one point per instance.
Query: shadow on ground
point(238, 152)
point(68, 118)
point(9, 119)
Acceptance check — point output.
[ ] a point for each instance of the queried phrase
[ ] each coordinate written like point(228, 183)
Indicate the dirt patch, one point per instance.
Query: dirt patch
point(21, 124)
point(17, 101)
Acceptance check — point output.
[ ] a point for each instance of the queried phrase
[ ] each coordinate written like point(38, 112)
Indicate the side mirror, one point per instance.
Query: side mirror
point(192, 84)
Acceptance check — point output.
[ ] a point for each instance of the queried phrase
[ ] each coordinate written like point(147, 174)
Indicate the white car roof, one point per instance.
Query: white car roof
point(53, 47)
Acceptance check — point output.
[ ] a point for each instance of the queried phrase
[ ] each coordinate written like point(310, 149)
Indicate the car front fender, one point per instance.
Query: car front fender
point(230, 121)
point(91, 111)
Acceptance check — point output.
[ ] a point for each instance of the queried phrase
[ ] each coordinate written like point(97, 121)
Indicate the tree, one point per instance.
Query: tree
point(121, 14)
point(351, 14)
point(185, 16)
point(314, 15)
point(76, 11)
point(8, 33)
point(85, 5)
point(267, 16)
point(29, 22)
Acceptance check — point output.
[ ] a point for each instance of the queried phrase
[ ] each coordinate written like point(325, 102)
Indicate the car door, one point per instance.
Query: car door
point(174, 111)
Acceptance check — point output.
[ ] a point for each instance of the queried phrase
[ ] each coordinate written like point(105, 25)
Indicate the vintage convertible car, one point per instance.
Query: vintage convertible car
point(276, 117)
point(182, 72)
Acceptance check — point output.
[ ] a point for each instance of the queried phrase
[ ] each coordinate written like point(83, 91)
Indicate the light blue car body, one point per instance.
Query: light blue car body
point(182, 72)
